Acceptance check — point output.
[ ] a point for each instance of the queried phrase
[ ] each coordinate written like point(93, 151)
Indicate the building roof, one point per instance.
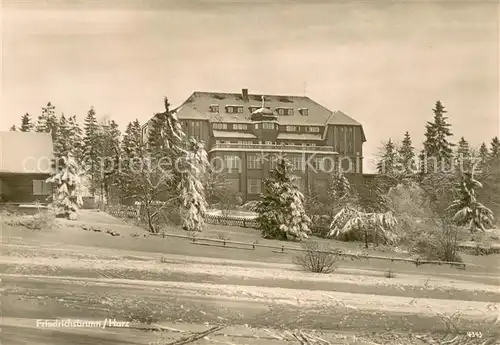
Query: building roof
point(197, 106)
point(25, 152)
point(226, 134)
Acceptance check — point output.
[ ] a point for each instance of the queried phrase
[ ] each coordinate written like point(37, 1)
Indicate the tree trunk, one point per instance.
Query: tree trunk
point(366, 239)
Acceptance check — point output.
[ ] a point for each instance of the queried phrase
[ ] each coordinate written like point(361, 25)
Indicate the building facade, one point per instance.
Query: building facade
point(25, 164)
point(246, 134)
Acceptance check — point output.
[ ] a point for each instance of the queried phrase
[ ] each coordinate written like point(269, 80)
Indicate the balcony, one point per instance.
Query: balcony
point(272, 148)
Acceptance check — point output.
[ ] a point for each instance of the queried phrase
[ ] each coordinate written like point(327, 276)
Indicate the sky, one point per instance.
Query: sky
point(383, 63)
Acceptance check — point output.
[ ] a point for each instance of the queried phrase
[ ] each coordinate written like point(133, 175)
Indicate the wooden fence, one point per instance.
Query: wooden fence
point(132, 212)
point(285, 249)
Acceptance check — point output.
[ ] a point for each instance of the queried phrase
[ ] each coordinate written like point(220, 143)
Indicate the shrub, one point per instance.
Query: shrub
point(39, 221)
point(317, 258)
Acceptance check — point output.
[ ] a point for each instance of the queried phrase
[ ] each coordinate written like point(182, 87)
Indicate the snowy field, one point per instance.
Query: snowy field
point(74, 273)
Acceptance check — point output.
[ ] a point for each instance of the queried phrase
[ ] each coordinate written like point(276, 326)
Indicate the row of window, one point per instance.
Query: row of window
point(254, 186)
point(236, 109)
point(233, 162)
point(250, 142)
point(263, 125)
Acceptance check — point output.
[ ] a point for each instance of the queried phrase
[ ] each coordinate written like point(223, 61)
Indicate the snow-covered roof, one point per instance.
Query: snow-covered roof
point(26, 153)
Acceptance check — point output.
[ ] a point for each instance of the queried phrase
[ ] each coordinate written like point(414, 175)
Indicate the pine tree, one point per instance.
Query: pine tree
point(495, 148)
point(388, 160)
point(132, 157)
point(67, 181)
point(76, 137)
point(159, 128)
point(406, 157)
point(26, 123)
point(466, 209)
point(63, 145)
point(111, 156)
point(437, 152)
point(47, 121)
point(92, 150)
point(281, 212)
point(483, 155)
point(13, 128)
point(194, 163)
point(464, 155)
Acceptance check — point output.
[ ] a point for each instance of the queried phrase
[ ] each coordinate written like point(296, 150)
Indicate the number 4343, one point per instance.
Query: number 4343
point(474, 334)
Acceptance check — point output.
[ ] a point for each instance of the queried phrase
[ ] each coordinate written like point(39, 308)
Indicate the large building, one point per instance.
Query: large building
point(245, 134)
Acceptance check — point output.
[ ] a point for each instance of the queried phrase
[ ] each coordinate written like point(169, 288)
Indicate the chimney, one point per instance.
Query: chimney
point(244, 94)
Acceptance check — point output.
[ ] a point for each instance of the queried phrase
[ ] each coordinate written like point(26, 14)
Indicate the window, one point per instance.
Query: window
point(217, 141)
point(304, 111)
point(319, 164)
point(284, 111)
point(313, 129)
point(214, 108)
point(268, 125)
point(252, 109)
point(232, 162)
point(256, 126)
point(297, 163)
point(40, 187)
point(291, 128)
point(240, 126)
point(273, 162)
point(231, 109)
point(253, 186)
point(220, 125)
point(234, 184)
point(254, 162)
point(268, 142)
point(312, 144)
point(245, 142)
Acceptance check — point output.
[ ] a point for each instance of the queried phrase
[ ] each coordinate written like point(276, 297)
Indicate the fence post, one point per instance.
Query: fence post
point(244, 223)
point(282, 248)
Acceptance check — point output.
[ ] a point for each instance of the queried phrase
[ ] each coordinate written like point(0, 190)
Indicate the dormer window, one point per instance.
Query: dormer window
point(291, 128)
point(304, 111)
point(267, 125)
point(214, 108)
point(313, 129)
point(234, 109)
point(284, 111)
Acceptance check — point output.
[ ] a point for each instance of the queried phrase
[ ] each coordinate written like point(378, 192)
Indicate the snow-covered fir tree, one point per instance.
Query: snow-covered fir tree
point(495, 148)
point(464, 158)
point(63, 144)
point(76, 139)
point(483, 156)
point(111, 155)
point(466, 209)
point(92, 150)
point(386, 164)
point(47, 121)
point(67, 181)
point(13, 128)
point(281, 213)
point(132, 156)
point(194, 165)
point(406, 157)
point(26, 123)
point(438, 150)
